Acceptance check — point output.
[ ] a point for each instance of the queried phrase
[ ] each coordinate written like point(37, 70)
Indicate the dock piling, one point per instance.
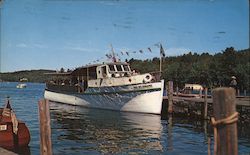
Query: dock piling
point(200, 93)
point(45, 130)
point(238, 92)
point(170, 97)
point(225, 121)
point(205, 103)
point(177, 91)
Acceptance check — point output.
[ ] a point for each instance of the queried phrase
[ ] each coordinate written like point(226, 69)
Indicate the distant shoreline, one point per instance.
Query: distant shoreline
point(33, 76)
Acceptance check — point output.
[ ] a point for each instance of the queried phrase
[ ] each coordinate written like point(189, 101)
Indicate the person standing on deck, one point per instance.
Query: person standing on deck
point(233, 83)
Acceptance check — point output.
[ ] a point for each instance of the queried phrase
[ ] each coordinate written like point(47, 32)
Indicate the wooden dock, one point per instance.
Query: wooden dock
point(240, 101)
point(194, 106)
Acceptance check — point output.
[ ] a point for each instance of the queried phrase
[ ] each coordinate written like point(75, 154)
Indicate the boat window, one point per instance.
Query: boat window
point(126, 68)
point(92, 73)
point(119, 68)
point(111, 67)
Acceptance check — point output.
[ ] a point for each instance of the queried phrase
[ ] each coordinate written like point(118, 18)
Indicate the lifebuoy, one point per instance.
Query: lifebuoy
point(147, 78)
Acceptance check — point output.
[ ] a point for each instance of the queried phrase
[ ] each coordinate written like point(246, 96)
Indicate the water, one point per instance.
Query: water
point(77, 130)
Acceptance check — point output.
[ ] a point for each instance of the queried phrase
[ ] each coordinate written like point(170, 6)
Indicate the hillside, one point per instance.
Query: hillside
point(31, 75)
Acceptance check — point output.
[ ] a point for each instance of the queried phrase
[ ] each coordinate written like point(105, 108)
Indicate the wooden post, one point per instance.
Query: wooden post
point(238, 92)
point(245, 92)
point(200, 93)
point(170, 97)
point(205, 104)
point(45, 130)
point(225, 134)
point(177, 91)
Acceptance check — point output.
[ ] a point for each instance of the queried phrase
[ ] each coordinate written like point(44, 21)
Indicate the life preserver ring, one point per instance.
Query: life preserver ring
point(147, 78)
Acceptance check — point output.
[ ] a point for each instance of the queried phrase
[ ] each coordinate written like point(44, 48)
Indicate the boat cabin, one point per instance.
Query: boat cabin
point(98, 75)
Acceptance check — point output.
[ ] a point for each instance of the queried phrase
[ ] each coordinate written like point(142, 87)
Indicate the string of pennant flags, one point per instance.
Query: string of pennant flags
point(127, 53)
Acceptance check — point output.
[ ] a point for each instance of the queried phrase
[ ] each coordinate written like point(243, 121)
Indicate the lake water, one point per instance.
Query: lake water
point(78, 130)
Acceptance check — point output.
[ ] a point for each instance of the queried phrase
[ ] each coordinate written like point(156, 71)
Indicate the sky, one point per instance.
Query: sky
point(50, 34)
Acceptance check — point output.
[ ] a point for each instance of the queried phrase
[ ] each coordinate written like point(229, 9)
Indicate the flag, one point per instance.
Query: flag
point(127, 53)
point(149, 49)
point(162, 52)
point(109, 56)
point(121, 52)
point(141, 51)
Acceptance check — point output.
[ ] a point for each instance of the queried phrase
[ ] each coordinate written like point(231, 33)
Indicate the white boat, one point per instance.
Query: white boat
point(108, 86)
point(21, 85)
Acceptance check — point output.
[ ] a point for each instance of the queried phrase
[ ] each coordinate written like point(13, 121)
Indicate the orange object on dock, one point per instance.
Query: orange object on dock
point(13, 133)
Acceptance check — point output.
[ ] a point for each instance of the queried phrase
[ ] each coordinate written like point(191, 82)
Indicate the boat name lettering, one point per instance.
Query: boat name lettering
point(3, 127)
point(144, 86)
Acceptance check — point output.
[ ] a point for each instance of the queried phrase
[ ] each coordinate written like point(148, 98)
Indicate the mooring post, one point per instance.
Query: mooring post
point(205, 103)
point(238, 92)
point(200, 93)
point(45, 130)
point(177, 91)
point(170, 97)
point(225, 121)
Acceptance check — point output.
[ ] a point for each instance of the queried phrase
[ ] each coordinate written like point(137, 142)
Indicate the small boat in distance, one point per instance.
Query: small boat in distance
point(13, 133)
point(111, 85)
point(21, 85)
point(191, 90)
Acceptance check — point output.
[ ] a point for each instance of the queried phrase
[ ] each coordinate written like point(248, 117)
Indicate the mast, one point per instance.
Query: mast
point(113, 54)
point(160, 65)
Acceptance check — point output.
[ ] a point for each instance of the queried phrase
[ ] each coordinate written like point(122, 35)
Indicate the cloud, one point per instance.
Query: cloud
point(82, 49)
point(39, 46)
point(22, 45)
point(35, 45)
point(221, 32)
point(109, 3)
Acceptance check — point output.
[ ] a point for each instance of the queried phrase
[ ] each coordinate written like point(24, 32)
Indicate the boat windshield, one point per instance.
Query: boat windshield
point(112, 68)
point(126, 68)
point(119, 68)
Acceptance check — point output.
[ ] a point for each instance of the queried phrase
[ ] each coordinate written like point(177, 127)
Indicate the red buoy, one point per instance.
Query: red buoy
point(13, 133)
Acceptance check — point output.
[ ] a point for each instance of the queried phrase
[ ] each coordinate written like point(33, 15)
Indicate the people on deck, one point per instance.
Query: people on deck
point(233, 82)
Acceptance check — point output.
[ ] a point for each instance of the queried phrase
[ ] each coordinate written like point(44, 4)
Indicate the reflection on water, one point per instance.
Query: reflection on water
point(76, 130)
point(106, 131)
point(79, 130)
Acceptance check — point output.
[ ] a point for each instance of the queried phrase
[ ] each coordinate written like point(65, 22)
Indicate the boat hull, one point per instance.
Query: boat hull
point(143, 98)
point(9, 139)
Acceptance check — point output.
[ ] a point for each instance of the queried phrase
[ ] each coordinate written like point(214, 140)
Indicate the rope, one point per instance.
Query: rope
point(229, 120)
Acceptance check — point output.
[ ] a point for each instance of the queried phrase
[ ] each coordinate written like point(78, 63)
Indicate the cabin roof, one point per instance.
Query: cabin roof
point(85, 67)
point(105, 63)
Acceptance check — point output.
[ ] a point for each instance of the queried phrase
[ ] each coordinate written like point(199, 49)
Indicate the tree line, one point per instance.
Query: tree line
point(208, 70)
point(205, 69)
point(31, 75)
